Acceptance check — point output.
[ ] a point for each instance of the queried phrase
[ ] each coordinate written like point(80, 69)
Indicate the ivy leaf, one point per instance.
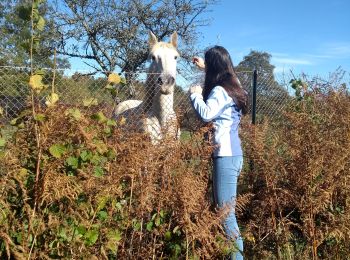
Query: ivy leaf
point(122, 81)
point(74, 112)
point(19, 237)
point(90, 102)
point(176, 249)
point(73, 162)
point(113, 238)
point(39, 72)
point(111, 122)
point(57, 150)
point(40, 23)
point(115, 235)
point(15, 121)
point(40, 117)
point(112, 90)
point(51, 99)
point(101, 147)
point(81, 230)
point(136, 224)
point(62, 234)
point(35, 82)
point(157, 221)
point(107, 131)
point(177, 230)
point(109, 86)
point(98, 171)
point(91, 237)
point(111, 154)
point(2, 142)
point(85, 155)
point(22, 174)
point(122, 121)
point(102, 215)
point(100, 117)
point(161, 213)
point(97, 160)
point(167, 236)
point(118, 206)
point(114, 78)
point(149, 226)
point(102, 201)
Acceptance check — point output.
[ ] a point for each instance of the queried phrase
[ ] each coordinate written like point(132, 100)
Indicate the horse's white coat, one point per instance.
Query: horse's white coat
point(155, 115)
point(126, 105)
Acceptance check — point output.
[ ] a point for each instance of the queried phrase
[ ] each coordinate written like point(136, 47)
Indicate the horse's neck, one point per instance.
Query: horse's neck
point(157, 104)
point(162, 108)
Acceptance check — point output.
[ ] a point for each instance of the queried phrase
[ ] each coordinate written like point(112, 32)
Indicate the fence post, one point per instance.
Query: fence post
point(255, 80)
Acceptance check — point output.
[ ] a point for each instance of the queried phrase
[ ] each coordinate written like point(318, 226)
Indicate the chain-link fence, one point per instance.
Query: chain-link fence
point(271, 97)
point(94, 92)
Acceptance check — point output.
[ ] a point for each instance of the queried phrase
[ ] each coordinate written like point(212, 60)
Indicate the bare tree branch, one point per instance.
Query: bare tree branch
point(112, 34)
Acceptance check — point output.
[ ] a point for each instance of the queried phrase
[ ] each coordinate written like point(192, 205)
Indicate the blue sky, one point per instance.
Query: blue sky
point(303, 35)
point(310, 36)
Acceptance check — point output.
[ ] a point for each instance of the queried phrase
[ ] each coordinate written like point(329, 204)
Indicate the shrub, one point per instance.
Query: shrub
point(299, 180)
point(89, 190)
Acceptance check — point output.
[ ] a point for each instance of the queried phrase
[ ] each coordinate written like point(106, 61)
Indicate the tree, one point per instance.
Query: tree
point(257, 60)
point(111, 34)
point(15, 28)
point(271, 96)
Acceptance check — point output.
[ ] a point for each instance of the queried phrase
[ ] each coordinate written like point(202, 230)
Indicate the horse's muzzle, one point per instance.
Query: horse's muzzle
point(166, 84)
point(166, 80)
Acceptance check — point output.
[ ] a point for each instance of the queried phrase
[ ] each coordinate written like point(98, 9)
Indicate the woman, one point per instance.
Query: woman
point(223, 102)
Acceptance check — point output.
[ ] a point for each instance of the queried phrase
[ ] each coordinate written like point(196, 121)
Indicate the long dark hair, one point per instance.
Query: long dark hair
point(219, 71)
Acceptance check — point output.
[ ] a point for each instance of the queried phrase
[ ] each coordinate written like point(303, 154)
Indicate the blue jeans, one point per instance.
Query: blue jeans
point(225, 176)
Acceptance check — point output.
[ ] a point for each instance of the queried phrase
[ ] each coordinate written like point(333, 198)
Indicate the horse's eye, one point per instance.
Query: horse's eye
point(153, 57)
point(175, 57)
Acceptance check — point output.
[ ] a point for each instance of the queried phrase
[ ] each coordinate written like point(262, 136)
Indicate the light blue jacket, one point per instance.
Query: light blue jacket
point(225, 115)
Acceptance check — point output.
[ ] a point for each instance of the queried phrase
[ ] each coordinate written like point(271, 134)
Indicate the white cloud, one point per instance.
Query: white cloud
point(285, 63)
point(292, 61)
point(280, 69)
point(336, 49)
point(319, 56)
point(279, 54)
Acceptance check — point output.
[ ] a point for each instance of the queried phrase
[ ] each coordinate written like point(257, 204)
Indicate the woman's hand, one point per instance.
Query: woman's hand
point(199, 62)
point(196, 89)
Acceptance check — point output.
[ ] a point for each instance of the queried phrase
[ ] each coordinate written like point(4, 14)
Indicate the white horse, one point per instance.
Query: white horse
point(155, 115)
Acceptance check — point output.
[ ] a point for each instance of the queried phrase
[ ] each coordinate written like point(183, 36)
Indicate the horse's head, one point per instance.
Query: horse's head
point(163, 67)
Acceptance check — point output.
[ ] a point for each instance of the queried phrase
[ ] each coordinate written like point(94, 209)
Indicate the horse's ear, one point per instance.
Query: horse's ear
point(173, 39)
point(152, 39)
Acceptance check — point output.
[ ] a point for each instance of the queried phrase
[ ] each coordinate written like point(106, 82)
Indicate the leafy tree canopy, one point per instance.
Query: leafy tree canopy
point(258, 60)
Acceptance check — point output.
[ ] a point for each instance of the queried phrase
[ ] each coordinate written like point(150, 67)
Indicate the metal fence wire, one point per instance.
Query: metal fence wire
point(93, 92)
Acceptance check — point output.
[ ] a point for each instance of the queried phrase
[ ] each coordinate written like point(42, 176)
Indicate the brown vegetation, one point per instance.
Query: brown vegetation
point(299, 178)
point(103, 193)
point(88, 190)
